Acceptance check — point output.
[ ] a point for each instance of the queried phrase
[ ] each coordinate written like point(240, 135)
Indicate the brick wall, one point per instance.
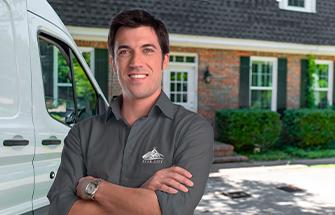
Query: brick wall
point(224, 65)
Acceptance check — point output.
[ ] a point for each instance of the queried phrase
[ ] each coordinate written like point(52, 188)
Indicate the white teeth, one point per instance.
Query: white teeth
point(137, 76)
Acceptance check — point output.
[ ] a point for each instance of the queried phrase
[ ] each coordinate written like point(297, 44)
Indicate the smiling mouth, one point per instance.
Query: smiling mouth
point(138, 76)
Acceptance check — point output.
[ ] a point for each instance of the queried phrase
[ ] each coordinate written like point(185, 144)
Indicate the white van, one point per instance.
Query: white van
point(45, 87)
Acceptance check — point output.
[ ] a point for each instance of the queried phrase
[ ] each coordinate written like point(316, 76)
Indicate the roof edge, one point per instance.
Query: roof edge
point(181, 40)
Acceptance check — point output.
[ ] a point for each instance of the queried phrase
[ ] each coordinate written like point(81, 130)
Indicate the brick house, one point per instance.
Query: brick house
point(253, 52)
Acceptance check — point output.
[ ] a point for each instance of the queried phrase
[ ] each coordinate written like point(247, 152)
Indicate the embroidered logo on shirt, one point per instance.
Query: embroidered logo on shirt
point(153, 157)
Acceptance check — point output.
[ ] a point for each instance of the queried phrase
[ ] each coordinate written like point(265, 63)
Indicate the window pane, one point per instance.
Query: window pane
point(172, 87)
point(261, 99)
point(178, 87)
point(185, 76)
point(190, 59)
point(178, 97)
point(179, 76)
point(321, 100)
point(322, 75)
point(172, 76)
point(85, 93)
point(261, 75)
point(87, 57)
point(172, 97)
point(185, 97)
point(180, 59)
point(296, 3)
point(171, 58)
point(185, 87)
point(57, 83)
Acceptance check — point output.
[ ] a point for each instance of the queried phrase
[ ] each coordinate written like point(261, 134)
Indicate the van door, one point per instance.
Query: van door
point(63, 93)
point(17, 140)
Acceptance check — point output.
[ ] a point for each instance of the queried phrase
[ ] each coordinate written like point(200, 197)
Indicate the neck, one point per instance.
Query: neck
point(133, 109)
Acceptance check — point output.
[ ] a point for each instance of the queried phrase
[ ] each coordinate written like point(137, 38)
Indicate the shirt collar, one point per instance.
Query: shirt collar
point(163, 103)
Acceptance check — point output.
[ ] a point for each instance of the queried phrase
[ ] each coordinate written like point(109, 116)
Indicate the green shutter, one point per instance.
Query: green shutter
point(282, 80)
point(244, 82)
point(101, 69)
point(303, 83)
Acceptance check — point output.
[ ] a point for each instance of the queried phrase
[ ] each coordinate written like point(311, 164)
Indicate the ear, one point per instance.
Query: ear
point(166, 59)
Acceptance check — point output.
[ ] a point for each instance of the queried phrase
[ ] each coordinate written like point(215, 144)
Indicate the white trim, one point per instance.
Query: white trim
point(310, 6)
point(330, 80)
point(195, 75)
point(55, 75)
point(100, 34)
point(274, 79)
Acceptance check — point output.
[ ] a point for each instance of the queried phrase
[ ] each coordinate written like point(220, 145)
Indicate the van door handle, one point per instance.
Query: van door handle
point(15, 142)
point(48, 142)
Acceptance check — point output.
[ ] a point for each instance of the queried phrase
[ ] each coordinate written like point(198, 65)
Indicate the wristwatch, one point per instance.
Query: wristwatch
point(92, 187)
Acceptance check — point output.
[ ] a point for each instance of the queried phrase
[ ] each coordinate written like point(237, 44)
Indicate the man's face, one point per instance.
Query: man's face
point(138, 61)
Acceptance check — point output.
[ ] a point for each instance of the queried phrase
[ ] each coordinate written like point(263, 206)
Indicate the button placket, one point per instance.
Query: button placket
point(131, 141)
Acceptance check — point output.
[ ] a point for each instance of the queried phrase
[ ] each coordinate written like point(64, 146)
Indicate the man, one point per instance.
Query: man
point(146, 155)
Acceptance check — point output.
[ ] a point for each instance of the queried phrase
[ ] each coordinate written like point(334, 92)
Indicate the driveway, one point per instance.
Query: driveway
point(314, 186)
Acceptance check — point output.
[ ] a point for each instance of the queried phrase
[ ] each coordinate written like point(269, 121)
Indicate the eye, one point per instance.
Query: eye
point(148, 50)
point(123, 52)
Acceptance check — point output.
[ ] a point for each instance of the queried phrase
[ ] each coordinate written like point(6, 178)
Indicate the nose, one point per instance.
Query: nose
point(136, 59)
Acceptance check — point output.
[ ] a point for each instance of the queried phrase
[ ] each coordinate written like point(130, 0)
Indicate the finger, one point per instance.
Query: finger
point(182, 179)
point(168, 189)
point(182, 171)
point(175, 184)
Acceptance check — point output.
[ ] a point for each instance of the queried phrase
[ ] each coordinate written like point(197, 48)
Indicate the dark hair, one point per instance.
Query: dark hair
point(135, 18)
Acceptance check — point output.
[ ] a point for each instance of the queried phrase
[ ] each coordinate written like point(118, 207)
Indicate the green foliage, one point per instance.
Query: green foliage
point(248, 129)
point(309, 127)
point(291, 153)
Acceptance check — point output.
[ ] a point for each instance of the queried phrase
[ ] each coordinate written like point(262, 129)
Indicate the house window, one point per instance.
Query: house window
point(323, 83)
point(88, 54)
point(263, 83)
point(298, 5)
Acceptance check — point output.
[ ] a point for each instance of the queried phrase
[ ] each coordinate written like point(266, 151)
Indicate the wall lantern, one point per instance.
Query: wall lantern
point(207, 76)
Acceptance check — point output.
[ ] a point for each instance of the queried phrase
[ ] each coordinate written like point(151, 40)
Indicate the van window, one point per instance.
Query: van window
point(57, 81)
point(85, 93)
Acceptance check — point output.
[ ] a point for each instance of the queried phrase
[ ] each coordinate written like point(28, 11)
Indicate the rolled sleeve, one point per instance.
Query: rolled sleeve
point(195, 154)
point(62, 194)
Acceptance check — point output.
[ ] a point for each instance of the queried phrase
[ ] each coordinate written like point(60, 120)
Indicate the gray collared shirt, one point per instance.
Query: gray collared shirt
point(106, 147)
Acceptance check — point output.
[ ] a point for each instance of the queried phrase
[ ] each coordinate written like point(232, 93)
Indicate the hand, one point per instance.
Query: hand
point(169, 180)
point(83, 182)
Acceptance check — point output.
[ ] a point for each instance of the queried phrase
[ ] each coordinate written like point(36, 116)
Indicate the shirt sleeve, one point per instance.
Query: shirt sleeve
point(62, 193)
point(195, 154)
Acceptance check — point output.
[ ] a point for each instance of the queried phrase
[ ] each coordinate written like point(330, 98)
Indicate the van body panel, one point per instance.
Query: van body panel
point(43, 9)
point(17, 141)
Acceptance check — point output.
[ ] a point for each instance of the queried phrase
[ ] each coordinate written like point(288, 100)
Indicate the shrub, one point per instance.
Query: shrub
point(247, 129)
point(309, 127)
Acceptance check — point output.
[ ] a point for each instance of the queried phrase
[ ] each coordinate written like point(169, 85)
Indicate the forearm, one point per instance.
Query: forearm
point(88, 207)
point(123, 200)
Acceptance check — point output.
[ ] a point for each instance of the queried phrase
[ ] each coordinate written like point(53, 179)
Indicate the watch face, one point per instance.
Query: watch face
point(90, 188)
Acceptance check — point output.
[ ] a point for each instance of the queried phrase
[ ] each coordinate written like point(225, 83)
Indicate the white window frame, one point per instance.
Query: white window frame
point(274, 62)
point(310, 6)
point(330, 80)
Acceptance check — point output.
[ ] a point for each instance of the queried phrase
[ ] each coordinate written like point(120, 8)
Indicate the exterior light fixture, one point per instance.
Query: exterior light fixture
point(207, 76)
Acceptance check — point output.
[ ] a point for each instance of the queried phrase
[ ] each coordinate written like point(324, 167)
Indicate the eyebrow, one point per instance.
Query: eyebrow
point(123, 47)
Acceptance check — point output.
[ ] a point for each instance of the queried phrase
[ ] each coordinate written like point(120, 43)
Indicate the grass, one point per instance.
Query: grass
point(291, 153)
